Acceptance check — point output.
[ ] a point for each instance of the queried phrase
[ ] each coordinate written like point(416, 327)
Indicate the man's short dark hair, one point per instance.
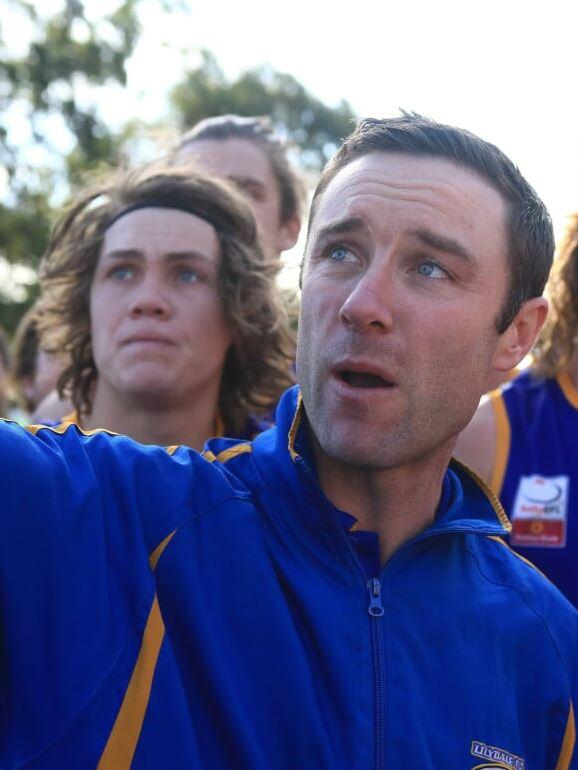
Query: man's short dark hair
point(530, 233)
point(260, 131)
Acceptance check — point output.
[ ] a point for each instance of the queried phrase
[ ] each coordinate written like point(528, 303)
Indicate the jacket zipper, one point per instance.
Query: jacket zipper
point(376, 612)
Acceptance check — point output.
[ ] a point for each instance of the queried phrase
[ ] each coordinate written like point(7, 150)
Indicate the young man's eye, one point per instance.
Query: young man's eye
point(187, 275)
point(430, 269)
point(122, 273)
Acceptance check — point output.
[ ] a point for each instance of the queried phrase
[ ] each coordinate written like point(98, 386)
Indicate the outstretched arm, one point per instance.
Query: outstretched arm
point(80, 517)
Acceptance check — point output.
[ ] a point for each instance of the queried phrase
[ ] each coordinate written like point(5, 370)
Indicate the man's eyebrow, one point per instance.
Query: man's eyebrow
point(442, 243)
point(342, 227)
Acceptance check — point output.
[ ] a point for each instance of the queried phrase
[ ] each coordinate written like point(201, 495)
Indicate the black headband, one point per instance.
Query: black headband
point(151, 203)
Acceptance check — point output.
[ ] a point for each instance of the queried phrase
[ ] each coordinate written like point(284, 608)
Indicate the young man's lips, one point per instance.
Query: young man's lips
point(150, 340)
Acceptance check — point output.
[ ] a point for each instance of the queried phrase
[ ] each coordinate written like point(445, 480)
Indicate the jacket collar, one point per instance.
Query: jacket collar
point(471, 506)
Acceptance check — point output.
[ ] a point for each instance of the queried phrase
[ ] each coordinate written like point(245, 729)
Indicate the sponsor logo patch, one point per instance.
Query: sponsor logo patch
point(540, 512)
point(495, 758)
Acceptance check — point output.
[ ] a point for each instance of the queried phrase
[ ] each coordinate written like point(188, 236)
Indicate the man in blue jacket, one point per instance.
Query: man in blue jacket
point(336, 594)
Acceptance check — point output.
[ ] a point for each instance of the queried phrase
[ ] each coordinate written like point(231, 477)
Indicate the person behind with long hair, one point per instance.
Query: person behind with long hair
point(523, 439)
point(157, 290)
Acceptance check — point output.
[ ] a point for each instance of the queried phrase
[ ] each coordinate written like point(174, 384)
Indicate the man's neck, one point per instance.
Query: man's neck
point(397, 503)
point(164, 423)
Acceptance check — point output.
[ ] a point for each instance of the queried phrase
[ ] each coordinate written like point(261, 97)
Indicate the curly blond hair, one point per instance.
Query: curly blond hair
point(558, 342)
point(259, 364)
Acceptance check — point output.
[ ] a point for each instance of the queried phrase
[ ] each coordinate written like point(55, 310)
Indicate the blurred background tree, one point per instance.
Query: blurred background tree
point(51, 85)
point(313, 127)
point(66, 53)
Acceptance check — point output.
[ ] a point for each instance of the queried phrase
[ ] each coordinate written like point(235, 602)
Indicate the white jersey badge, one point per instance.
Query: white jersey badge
point(540, 512)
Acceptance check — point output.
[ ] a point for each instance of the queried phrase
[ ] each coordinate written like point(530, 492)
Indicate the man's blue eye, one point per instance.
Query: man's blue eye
point(339, 254)
point(430, 270)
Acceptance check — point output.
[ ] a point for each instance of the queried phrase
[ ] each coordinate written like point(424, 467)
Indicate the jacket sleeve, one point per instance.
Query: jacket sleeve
point(565, 636)
point(79, 518)
point(569, 751)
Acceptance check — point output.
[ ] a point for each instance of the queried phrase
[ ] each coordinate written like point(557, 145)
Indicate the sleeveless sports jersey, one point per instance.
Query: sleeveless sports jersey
point(536, 472)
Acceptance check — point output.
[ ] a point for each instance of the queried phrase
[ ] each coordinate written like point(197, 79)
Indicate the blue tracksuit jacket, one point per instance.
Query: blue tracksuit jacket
point(167, 610)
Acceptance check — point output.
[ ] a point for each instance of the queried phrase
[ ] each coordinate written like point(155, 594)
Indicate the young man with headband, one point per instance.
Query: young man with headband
point(156, 288)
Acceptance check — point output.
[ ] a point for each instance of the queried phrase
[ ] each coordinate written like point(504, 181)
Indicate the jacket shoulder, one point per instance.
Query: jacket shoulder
point(531, 592)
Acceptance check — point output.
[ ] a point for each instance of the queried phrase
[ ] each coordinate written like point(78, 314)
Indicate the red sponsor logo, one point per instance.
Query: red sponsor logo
point(539, 532)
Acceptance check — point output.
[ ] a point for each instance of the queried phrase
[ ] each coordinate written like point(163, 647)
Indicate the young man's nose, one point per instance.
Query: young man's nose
point(150, 299)
point(369, 303)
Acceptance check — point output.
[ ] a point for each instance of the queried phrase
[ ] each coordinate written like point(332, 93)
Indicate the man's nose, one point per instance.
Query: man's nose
point(369, 304)
point(150, 299)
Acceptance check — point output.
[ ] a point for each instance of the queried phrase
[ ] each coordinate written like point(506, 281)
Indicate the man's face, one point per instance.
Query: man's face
point(405, 275)
point(247, 166)
point(158, 327)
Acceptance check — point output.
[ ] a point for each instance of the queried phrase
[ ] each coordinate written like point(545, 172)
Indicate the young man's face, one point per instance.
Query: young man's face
point(247, 166)
point(405, 275)
point(158, 327)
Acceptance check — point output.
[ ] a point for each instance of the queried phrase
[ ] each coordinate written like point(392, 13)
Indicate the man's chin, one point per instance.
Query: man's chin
point(358, 451)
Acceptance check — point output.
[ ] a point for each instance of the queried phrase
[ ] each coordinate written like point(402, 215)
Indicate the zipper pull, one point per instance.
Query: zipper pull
point(375, 606)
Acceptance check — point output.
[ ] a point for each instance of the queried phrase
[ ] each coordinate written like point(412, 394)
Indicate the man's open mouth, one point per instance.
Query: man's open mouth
point(363, 379)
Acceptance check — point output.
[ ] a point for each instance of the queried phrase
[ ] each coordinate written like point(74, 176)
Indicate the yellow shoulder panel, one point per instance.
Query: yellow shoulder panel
point(568, 743)
point(227, 454)
point(568, 389)
point(64, 426)
point(123, 739)
point(503, 440)
point(157, 553)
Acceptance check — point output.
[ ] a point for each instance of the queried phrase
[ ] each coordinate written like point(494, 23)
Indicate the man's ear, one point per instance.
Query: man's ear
point(288, 233)
point(519, 337)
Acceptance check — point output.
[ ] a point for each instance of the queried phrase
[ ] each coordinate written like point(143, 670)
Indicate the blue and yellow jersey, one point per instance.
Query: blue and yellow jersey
point(166, 609)
point(253, 425)
point(535, 472)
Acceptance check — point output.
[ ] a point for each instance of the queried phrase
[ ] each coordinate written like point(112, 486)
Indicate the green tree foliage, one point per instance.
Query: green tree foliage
point(65, 51)
point(311, 125)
